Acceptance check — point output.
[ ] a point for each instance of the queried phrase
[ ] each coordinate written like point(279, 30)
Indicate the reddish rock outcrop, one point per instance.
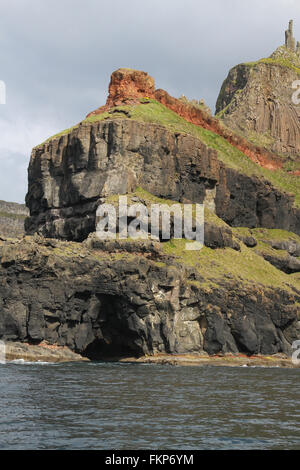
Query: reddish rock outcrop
point(201, 118)
point(129, 86)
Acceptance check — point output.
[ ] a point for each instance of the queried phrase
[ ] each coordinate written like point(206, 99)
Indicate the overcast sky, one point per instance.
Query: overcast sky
point(57, 57)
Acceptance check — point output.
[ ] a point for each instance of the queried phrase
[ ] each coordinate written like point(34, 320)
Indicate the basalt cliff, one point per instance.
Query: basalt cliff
point(259, 100)
point(240, 294)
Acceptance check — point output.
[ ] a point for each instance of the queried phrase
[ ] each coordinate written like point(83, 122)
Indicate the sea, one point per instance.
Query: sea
point(100, 405)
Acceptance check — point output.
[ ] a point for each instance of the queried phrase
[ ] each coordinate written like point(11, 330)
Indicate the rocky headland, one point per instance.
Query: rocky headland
point(234, 302)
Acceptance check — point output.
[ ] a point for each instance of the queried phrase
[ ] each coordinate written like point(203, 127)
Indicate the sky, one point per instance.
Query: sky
point(56, 58)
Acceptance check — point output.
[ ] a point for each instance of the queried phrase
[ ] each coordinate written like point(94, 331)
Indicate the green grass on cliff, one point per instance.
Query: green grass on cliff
point(265, 237)
point(246, 265)
point(215, 266)
point(156, 113)
point(280, 62)
point(267, 234)
point(282, 57)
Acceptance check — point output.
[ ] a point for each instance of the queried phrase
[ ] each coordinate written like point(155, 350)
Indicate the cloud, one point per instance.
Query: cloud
point(19, 136)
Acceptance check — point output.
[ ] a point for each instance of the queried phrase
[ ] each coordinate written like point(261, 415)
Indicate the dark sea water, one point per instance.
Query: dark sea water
point(135, 406)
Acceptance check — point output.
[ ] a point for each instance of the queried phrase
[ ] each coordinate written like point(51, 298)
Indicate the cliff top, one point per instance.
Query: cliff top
point(281, 57)
point(287, 55)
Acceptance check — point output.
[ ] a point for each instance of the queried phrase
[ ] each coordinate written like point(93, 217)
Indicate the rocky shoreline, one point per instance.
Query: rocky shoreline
point(228, 360)
point(44, 352)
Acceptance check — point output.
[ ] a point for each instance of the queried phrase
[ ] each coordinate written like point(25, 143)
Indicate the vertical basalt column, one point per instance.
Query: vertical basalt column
point(290, 42)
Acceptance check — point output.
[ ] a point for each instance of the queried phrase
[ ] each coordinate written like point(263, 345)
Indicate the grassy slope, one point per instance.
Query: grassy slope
point(282, 62)
point(246, 266)
point(264, 236)
point(282, 57)
point(156, 113)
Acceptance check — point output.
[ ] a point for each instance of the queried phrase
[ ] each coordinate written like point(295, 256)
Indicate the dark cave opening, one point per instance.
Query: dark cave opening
point(115, 336)
point(100, 350)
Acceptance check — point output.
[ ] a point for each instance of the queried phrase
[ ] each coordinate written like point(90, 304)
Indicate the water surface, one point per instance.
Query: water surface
point(136, 406)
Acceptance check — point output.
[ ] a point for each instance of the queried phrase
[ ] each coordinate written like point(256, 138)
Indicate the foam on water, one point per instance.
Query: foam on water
point(28, 363)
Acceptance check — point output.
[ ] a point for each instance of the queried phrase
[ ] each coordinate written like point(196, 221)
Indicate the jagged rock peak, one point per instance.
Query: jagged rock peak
point(290, 51)
point(290, 42)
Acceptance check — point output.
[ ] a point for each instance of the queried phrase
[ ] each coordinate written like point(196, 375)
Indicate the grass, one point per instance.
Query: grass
point(291, 165)
point(282, 57)
point(245, 266)
point(142, 194)
point(262, 140)
point(282, 62)
point(264, 248)
point(59, 134)
point(266, 234)
point(264, 237)
point(274, 234)
point(156, 113)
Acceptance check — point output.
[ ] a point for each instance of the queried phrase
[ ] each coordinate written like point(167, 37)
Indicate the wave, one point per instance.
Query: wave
point(29, 363)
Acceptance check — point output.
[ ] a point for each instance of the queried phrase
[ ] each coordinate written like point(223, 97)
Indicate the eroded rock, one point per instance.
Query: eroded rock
point(102, 304)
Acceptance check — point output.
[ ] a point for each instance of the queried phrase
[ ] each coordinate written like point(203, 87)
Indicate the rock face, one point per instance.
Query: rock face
point(102, 304)
point(259, 101)
point(256, 101)
point(68, 177)
point(12, 217)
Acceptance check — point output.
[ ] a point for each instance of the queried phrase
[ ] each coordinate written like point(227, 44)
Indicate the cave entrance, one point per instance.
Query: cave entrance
point(115, 335)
